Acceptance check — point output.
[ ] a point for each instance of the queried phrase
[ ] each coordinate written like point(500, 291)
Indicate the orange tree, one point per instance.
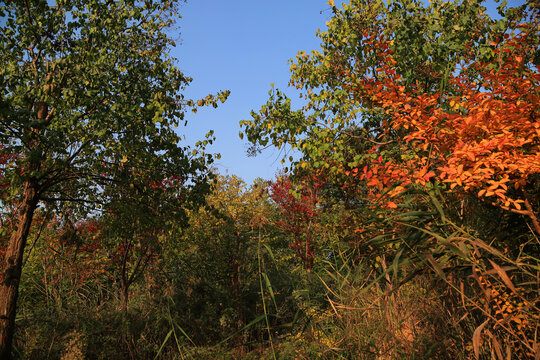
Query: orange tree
point(412, 96)
point(482, 134)
point(449, 90)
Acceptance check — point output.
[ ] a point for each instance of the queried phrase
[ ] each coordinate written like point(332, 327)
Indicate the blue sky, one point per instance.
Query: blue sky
point(242, 46)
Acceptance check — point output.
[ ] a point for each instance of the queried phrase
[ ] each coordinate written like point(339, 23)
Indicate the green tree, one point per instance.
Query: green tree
point(86, 88)
point(138, 219)
point(217, 249)
point(340, 122)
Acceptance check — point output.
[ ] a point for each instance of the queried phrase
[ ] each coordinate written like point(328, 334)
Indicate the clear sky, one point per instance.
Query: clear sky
point(242, 46)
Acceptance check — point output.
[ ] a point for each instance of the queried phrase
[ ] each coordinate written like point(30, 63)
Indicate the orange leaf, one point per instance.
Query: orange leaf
point(391, 205)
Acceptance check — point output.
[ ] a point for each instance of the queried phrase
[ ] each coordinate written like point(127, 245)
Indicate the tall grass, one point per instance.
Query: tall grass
point(437, 290)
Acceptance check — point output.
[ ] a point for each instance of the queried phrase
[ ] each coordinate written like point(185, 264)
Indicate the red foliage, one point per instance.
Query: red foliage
point(298, 206)
point(80, 249)
point(5, 159)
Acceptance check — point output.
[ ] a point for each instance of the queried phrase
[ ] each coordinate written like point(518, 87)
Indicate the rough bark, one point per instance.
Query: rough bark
point(12, 268)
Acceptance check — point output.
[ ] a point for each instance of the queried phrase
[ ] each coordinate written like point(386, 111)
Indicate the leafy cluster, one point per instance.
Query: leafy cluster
point(407, 229)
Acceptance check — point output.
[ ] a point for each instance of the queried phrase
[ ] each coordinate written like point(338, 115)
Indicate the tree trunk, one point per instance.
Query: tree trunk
point(124, 293)
point(237, 296)
point(532, 214)
point(308, 262)
point(12, 268)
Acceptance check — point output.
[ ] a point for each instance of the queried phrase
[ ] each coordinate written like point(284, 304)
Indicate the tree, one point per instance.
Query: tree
point(138, 219)
point(298, 208)
point(481, 133)
point(217, 251)
point(425, 44)
point(86, 87)
point(441, 92)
